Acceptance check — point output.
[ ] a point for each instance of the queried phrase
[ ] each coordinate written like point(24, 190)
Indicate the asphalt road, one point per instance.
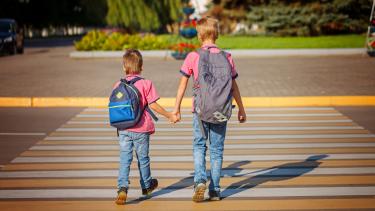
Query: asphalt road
point(46, 70)
point(47, 120)
point(28, 126)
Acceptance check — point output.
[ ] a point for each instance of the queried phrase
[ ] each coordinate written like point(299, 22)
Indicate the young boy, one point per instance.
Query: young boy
point(208, 31)
point(138, 136)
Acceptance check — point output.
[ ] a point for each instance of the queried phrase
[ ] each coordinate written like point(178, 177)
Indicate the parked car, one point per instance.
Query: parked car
point(11, 37)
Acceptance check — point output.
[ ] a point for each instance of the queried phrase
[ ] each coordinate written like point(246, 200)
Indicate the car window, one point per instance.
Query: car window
point(5, 27)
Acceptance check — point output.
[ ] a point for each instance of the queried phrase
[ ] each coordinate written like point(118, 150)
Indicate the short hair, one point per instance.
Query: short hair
point(132, 60)
point(208, 29)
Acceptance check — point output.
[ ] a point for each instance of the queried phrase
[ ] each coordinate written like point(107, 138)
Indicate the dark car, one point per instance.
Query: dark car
point(11, 37)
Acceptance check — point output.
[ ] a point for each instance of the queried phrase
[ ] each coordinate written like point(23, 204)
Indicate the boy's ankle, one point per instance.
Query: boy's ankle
point(123, 189)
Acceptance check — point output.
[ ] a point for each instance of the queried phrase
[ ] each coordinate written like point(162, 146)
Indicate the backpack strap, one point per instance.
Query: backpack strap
point(135, 80)
point(151, 113)
point(132, 82)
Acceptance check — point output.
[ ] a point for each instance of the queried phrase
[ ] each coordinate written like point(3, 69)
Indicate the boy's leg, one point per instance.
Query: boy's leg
point(141, 145)
point(217, 137)
point(199, 151)
point(140, 175)
point(126, 157)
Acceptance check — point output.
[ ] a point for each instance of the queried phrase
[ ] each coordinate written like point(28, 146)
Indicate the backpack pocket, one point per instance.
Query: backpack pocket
point(121, 111)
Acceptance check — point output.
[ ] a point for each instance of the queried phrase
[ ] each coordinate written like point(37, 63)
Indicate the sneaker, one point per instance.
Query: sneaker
point(199, 190)
point(153, 185)
point(214, 195)
point(122, 193)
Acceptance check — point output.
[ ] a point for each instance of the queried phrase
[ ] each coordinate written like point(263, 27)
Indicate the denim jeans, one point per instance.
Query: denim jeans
point(216, 135)
point(140, 142)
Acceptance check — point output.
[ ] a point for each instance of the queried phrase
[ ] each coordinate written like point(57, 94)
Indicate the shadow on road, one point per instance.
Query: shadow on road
point(189, 182)
point(276, 173)
point(51, 42)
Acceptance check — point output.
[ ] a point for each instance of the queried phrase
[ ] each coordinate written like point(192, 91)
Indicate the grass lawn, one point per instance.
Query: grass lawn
point(246, 42)
point(250, 42)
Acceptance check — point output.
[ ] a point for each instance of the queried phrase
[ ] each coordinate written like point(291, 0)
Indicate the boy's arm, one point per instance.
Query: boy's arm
point(237, 98)
point(180, 94)
point(160, 110)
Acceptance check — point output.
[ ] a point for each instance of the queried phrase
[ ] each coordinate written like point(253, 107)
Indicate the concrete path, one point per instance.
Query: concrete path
point(235, 52)
point(49, 72)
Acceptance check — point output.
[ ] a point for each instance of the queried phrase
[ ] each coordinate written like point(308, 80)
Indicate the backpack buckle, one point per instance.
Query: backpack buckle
point(220, 117)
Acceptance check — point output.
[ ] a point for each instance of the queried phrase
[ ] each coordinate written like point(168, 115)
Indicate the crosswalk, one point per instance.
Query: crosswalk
point(303, 158)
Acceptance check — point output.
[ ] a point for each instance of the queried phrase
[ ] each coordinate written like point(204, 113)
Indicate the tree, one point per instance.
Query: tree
point(46, 13)
point(311, 17)
point(145, 15)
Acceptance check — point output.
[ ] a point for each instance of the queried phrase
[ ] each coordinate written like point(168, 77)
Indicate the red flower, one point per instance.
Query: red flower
point(194, 22)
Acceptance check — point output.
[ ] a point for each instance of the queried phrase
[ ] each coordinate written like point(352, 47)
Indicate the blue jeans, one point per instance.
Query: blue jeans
point(140, 142)
point(216, 135)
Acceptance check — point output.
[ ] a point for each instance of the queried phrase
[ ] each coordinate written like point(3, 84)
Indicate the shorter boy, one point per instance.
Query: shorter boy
point(138, 137)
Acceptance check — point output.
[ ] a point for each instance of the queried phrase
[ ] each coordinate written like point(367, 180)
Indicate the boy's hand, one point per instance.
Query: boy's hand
point(173, 118)
point(178, 114)
point(241, 116)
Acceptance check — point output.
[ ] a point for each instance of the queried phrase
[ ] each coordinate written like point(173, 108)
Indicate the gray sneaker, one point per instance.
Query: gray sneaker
point(214, 195)
point(199, 190)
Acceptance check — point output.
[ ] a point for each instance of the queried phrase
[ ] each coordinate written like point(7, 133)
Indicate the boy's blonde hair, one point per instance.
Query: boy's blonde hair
point(208, 29)
point(132, 60)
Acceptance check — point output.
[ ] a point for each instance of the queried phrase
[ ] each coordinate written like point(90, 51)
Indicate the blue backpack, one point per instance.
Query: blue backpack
point(124, 105)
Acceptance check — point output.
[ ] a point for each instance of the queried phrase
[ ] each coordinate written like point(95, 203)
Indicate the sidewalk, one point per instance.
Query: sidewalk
point(50, 72)
point(234, 52)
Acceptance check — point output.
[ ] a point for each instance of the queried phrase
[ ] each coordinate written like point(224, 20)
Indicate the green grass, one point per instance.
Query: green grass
point(248, 42)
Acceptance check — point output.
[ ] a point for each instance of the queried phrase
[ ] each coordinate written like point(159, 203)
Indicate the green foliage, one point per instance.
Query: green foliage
point(262, 42)
point(313, 17)
point(97, 40)
point(146, 15)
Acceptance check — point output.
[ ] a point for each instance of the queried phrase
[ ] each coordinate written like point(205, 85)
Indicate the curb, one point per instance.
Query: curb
point(40, 102)
point(235, 53)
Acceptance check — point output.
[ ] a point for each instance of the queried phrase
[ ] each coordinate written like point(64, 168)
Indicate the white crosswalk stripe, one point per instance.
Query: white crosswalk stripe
point(289, 168)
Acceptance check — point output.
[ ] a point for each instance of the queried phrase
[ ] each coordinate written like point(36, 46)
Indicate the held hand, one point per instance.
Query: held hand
point(173, 118)
point(241, 116)
point(178, 114)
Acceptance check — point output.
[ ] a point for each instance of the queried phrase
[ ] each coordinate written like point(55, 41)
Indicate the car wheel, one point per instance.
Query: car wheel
point(13, 50)
point(20, 50)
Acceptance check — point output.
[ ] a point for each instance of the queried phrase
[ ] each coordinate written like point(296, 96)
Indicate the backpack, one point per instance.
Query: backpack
point(213, 87)
point(124, 105)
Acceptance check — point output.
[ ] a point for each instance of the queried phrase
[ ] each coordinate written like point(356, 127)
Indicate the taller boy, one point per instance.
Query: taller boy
point(205, 65)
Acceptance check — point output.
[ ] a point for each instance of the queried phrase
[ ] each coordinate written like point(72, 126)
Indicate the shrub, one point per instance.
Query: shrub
point(308, 18)
point(99, 40)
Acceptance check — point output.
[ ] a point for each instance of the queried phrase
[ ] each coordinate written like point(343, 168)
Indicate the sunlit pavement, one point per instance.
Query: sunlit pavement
point(312, 158)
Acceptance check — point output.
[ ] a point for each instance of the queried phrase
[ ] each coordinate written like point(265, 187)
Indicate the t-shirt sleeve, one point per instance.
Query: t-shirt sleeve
point(234, 71)
point(151, 93)
point(187, 66)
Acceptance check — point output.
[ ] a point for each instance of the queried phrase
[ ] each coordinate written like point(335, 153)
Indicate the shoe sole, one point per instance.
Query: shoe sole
point(121, 198)
point(215, 199)
point(199, 193)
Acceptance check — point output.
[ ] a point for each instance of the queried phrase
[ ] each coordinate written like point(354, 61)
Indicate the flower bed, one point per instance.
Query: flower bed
point(182, 49)
point(100, 40)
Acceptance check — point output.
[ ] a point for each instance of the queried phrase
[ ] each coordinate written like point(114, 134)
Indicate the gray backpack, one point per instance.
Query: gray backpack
point(213, 89)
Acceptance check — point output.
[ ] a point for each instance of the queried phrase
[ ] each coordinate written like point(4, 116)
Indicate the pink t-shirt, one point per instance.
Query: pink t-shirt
point(148, 95)
point(190, 65)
